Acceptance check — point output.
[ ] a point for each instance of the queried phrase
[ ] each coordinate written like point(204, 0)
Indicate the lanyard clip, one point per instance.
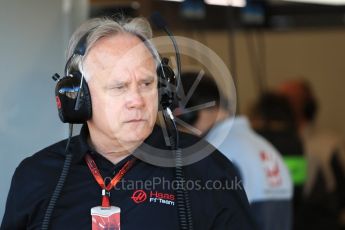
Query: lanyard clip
point(105, 193)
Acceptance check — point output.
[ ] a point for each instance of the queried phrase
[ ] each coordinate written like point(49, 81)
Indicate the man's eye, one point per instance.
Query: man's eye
point(117, 87)
point(147, 83)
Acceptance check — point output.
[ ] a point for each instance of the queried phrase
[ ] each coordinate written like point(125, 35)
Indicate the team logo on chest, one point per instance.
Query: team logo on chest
point(140, 196)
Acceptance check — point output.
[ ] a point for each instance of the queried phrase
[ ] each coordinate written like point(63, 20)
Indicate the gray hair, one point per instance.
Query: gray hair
point(98, 28)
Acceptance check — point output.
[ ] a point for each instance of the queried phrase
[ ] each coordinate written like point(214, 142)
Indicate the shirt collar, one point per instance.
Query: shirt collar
point(80, 146)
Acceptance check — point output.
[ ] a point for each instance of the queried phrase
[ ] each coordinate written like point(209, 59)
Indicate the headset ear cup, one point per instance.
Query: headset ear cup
point(66, 92)
point(166, 85)
point(86, 102)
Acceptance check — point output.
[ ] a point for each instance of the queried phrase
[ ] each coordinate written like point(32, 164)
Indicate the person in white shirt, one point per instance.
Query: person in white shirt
point(264, 175)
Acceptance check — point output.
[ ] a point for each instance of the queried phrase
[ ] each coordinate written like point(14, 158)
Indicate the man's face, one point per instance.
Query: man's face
point(123, 87)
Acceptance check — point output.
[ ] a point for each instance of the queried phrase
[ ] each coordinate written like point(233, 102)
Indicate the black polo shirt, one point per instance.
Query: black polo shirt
point(145, 195)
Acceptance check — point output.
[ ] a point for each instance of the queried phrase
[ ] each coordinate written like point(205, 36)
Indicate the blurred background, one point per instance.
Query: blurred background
point(264, 43)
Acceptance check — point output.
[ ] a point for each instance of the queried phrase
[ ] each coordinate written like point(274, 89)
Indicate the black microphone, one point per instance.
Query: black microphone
point(160, 23)
point(183, 204)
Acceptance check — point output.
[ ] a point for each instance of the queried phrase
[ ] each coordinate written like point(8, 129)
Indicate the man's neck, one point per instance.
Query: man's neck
point(110, 149)
point(115, 157)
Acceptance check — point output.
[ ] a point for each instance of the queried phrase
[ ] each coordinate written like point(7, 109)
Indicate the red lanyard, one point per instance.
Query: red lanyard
point(106, 188)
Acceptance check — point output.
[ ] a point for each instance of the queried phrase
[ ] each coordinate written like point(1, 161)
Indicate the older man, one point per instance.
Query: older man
point(119, 66)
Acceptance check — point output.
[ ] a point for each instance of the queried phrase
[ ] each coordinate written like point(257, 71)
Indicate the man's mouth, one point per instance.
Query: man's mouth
point(135, 121)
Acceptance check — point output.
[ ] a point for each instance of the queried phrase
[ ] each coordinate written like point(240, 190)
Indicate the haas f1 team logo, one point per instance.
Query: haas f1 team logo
point(139, 196)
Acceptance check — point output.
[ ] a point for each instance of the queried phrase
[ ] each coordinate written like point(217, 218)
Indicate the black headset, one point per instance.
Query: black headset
point(72, 93)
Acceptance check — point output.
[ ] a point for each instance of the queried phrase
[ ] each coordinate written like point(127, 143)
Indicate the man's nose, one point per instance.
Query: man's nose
point(134, 98)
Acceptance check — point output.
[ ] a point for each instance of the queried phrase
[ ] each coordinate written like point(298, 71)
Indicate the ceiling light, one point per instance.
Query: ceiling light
point(234, 3)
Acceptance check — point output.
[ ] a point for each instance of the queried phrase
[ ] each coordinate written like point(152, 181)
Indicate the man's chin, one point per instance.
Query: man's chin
point(134, 137)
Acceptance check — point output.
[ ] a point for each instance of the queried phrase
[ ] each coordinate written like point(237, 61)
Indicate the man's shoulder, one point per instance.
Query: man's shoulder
point(55, 150)
point(43, 160)
point(213, 164)
point(214, 182)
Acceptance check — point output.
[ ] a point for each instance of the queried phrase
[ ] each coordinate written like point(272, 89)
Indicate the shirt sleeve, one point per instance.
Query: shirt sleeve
point(235, 213)
point(14, 217)
point(226, 219)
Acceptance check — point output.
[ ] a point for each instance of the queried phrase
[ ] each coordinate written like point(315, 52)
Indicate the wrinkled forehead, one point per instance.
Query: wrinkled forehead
point(121, 52)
